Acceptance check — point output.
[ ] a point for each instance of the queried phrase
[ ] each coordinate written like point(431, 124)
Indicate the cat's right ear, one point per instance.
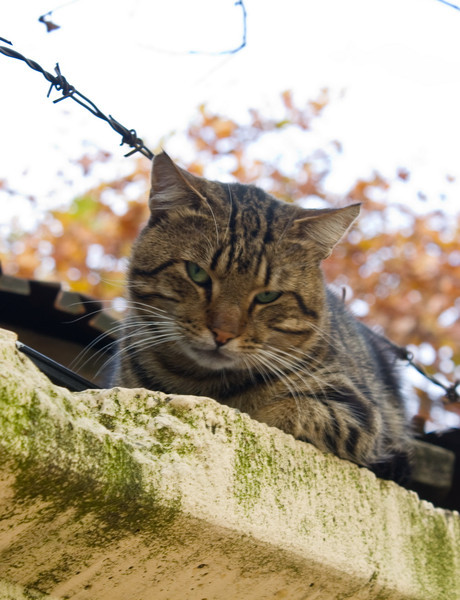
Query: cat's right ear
point(326, 226)
point(171, 186)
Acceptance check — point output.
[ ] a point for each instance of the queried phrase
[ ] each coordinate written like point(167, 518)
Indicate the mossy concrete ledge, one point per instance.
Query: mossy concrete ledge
point(135, 495)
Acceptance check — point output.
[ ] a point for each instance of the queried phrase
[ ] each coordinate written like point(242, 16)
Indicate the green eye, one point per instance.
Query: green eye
point(197, 274)
point(267, 297)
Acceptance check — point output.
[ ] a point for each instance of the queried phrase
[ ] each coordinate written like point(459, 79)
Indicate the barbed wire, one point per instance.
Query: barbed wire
point(452, 396)
point(60, 84)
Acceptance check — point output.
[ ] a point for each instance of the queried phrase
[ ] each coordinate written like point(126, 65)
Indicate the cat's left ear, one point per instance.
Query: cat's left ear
point(171, 186)
point(326, 227)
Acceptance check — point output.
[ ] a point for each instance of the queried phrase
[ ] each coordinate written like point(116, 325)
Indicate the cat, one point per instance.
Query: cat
point(226, 299)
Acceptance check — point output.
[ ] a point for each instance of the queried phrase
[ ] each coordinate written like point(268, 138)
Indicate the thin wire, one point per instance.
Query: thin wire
point(451, 393)
point(230, 52)
point(53, 10)
point(449, 4)
point(239, 3)
point(60, 84)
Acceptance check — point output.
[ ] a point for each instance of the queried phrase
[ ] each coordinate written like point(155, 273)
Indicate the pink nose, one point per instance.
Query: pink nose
point(222, 337)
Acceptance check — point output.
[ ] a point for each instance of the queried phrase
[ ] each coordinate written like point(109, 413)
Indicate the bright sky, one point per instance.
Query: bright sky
point(392, 68)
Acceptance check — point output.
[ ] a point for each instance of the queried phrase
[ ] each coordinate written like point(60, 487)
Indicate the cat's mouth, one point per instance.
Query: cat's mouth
point(214, 359)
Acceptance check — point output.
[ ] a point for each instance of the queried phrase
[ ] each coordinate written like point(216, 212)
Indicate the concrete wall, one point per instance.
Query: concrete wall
point(135, 495)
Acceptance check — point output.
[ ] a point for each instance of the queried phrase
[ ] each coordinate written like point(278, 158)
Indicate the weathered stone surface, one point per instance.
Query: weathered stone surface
point(134, 495)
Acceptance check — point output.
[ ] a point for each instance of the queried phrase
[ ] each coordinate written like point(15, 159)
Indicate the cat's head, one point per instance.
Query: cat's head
point(225, 272)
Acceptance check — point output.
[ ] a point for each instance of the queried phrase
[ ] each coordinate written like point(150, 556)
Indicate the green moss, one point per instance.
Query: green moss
point(108, 421)
point(431, 554)
point(183, 414)
point(87, 469)
point(112, 488)
point(249, 470)
point(167, 441)
point(255, 467)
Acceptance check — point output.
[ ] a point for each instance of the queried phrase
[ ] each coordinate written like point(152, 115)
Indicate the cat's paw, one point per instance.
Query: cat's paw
point(281, 414)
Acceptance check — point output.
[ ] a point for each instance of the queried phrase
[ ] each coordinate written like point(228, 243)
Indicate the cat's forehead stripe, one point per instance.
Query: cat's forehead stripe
point(269, 220)
point(137, 271)
point(215, 258)
point(268, 272)
point(232, 218)
point(303, 307)
point(246, 232)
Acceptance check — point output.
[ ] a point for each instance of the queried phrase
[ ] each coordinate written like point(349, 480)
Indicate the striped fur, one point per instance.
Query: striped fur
point(299, 361)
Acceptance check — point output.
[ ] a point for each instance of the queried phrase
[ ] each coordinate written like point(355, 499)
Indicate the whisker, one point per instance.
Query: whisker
point(134, 322)
point(269, 359)
point(251, 363)
point(315, 375)
point(295, 380)
point(148, 308)
point(141, 344)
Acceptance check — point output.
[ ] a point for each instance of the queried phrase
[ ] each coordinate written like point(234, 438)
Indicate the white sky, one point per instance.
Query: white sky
point(392, 67)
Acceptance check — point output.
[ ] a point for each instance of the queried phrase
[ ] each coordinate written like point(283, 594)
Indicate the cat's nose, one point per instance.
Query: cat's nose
point(221, 336)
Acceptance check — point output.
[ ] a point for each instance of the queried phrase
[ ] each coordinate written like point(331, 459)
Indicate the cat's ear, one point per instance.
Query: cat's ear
point(326, 226)
point(171, 186)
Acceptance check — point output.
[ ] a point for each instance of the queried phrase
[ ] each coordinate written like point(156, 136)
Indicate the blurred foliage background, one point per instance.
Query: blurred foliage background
point(400, 269)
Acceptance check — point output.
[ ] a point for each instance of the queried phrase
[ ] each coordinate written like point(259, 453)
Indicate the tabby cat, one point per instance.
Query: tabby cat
point(227, 300)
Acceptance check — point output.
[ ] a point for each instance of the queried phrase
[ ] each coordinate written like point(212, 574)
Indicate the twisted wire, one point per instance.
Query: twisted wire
point(452, 394)
point(60, 84)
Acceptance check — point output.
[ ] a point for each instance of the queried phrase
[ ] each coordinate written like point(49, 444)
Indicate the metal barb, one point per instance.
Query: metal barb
point(60, 84)
point(452, 396)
